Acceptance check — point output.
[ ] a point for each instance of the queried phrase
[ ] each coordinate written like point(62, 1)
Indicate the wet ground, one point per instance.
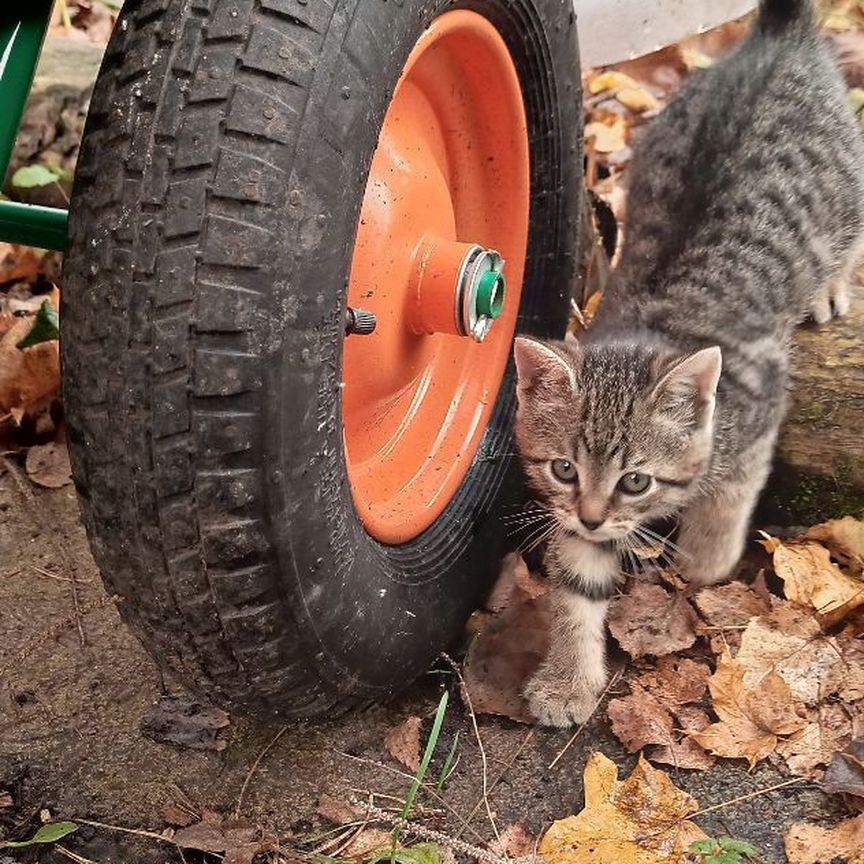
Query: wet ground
point(75, 685)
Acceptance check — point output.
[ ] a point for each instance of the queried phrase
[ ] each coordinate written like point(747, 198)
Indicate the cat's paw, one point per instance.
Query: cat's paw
point(561, 704)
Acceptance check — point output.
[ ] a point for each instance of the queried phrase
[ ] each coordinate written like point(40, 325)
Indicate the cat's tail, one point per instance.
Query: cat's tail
point(786, 15)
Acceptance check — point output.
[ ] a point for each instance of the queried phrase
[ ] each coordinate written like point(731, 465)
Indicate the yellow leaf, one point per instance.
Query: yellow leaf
point(812, 579)
point(609, 136)
point(636, 99)
point(611, 81)
point(695, 59)
point(844, 538)
point(640, 820)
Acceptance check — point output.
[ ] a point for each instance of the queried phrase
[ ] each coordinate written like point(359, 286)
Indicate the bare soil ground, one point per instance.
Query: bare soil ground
point(70, 739)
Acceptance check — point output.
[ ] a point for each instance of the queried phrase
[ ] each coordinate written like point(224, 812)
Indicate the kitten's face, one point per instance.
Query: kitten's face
point(613, 436)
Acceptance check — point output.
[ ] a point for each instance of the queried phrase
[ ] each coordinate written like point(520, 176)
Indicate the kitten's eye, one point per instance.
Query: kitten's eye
point(634, 483)
point(564, 470)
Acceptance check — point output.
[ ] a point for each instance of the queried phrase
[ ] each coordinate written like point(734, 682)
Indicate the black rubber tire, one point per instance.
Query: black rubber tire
point(212, 227)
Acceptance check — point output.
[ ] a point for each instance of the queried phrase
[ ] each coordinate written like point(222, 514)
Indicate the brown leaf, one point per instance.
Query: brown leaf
point(48, 465)
point(813, 844)
point(203, 836)
point(18, 263)
point(403, 743)
point(5, 800)
point(845, 774)
point(685, 753)
point(844, 538)
point(640, 820)
point(366, 843)
point(516, 842)
point(504, 656)
point(812, 579)
point(809, 663)
point(639, 719)
point(336, 811)
point(176, 816)
point(514, 584)
point(749, 720)
point(29, 379)
point(185, 722)
point(675, 681)
point(849, 48)
point(725, 608)
point(651, 621)
point(808, 751)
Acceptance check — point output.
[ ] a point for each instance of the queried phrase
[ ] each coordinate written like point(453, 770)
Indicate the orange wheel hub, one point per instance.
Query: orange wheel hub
point(450, 174)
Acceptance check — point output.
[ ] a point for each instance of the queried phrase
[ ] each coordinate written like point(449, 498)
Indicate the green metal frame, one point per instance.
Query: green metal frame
point(22, 32)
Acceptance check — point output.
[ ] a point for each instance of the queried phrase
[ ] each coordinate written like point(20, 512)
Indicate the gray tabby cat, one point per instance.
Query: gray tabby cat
point(746, 213)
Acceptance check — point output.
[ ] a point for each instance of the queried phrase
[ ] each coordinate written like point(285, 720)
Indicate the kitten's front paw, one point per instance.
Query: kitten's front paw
point(561, 703)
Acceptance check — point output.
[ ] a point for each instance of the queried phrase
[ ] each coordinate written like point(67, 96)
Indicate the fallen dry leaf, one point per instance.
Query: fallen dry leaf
point(812, 579)
point(813, 844)
point(177, 817)
point(403, 743)
point(185, 722)
point(651, 621)
point(366, 843)
point(48, 465)
point(637, 99)
point(790, 643)
point(729, 606)
point(685, 753)
point(29, 379)
point(5, 799)
point(611, 80)
point(609, 134)
point(809, 750)
point(844, 539)
point(18, 263)
point(845, 774)
point(514, 584)
point(675, 681)
point(336, 811)
point(750, 721)
point(503, 657)
point(516, 841)
point(640, 820)
point(640, 719)
point(239, 841)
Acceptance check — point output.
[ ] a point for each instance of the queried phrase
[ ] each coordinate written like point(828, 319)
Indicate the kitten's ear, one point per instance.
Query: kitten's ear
point(695, 374)
point(540, 366)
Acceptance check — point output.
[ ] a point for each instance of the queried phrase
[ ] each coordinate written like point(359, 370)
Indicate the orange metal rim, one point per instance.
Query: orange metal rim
point(451, 168)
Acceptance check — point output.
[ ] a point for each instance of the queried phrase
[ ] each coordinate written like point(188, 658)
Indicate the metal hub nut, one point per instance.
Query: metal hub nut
point(481, 293)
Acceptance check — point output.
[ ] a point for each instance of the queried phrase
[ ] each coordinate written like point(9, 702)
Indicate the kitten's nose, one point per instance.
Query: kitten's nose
point(591, 524)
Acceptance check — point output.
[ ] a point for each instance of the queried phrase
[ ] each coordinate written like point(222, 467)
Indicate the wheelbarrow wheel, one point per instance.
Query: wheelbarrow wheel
point(293, 519)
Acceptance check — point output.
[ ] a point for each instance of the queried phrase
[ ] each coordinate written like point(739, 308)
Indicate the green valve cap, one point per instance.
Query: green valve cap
point(490, 295)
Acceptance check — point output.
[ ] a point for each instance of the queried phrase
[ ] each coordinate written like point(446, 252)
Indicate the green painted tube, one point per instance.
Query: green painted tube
point(32, 225)
point(22, 32)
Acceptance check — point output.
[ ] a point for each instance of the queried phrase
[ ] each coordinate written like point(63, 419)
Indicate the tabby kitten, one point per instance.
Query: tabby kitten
point(745, 213)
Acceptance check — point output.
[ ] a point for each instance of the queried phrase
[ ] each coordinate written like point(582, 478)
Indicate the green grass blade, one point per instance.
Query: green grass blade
point(444, 776)
point(431, 744)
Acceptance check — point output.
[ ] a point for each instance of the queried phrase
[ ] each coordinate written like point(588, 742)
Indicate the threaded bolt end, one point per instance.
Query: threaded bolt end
point(360, 322)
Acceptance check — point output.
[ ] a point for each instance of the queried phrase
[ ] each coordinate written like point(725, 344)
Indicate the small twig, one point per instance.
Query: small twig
point(529, 735)
point(747, 797)
point(73, 856)
point(138, 832)
point(41, 571)
point(254, 767)
point(612, 682)
point(480, 746)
